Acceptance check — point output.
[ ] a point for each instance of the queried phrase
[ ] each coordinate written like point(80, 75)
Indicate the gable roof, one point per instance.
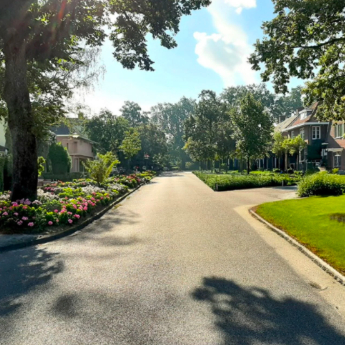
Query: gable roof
point(311, 119)
point(287, 122)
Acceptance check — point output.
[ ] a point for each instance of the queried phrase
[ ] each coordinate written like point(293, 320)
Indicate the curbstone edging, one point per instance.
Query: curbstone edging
point(48, 238)
point(317, 260)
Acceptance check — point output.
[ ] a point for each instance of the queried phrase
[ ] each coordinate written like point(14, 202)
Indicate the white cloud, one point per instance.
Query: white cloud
point(241, 4)
point(226, 52)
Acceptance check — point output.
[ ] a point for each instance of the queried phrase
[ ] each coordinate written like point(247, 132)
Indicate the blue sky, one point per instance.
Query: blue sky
point(213, 47)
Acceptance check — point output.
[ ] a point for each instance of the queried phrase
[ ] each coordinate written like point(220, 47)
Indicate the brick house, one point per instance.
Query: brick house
point(314, 132)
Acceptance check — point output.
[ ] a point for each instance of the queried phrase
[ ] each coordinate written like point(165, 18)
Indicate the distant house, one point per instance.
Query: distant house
point(313, 132)
point(78, 145)
point(79, 148)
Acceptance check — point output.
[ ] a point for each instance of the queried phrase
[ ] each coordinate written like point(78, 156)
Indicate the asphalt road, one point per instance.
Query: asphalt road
point(176, 263)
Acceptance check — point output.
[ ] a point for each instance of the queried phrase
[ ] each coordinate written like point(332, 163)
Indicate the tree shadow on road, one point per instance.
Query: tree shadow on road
point(248, 316)
point(22, 271)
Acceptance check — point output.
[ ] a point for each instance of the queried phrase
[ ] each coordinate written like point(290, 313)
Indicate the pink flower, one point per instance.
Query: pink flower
point(25, 207)
point(25, 218)
point(85, 208)
point(57, 221)
point(56, 211)
point(70, 221)
point(27, 202)
point(50, 223)
point(20, 222)
point(31, 224)
point(5, 214)
point(77, 216)
point(15, 213)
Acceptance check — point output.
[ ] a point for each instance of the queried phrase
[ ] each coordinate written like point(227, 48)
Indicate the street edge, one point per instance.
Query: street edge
point(317, 260)
point(67, 232)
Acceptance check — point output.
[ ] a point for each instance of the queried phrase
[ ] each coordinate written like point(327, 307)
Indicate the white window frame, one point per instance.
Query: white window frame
point(317, 132)
point(337, 161)
point(302, 133)
point(339, 130)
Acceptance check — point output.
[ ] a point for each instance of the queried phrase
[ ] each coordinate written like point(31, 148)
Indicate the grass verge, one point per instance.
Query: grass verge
point(316, 222)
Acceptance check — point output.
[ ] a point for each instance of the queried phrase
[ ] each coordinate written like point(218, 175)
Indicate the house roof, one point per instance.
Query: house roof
point(311, 119)
point(282, 125)
point(75, 136)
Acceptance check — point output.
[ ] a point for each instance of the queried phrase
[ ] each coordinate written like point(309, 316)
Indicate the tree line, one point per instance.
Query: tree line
point(49, 48)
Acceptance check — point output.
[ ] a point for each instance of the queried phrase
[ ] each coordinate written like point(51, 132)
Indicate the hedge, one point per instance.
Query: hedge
point(233, 182)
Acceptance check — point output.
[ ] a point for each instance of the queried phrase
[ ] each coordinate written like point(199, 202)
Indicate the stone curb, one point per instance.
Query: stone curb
point(66, 232)
point(318, 261)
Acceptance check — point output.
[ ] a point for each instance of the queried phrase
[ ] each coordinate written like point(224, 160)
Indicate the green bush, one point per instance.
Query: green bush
point(60, 158)
point(40, 162)
point(232, 182)
point(335, 171)
point(276, 170)
point(321, 184)
point(290, 171)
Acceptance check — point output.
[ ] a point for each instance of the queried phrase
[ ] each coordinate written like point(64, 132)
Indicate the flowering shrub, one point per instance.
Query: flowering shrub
point(63, 203)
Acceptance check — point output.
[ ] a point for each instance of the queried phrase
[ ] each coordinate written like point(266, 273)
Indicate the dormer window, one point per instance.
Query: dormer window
point(305, 113)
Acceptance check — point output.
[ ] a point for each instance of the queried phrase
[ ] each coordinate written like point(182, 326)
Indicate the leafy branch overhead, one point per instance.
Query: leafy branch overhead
point(306, 40)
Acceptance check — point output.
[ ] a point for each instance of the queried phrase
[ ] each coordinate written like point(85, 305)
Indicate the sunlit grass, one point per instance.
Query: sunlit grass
point(312, 222)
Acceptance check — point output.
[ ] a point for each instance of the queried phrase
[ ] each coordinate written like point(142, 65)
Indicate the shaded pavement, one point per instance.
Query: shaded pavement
point(174, 264)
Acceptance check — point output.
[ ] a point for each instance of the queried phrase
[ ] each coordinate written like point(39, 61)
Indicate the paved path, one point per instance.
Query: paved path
point(175, 264)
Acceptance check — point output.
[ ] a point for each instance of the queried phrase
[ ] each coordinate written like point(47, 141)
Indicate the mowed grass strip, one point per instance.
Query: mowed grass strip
point(311, 222)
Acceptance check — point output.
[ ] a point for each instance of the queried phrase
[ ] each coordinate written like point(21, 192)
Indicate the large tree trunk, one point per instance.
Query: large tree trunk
point(20, 121)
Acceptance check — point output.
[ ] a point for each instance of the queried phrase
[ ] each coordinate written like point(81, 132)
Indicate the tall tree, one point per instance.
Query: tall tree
point(41, 31)
point(252, 127)
point(170, 118)
point(306, 40)
point(278, 147)
point(132, 112)
point(153, 143)
point(202, 129)
point(107, 131)
point(131, 145)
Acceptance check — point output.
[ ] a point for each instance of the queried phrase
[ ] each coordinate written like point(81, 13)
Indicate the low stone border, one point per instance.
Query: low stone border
point(51, 237)
point(324, 265)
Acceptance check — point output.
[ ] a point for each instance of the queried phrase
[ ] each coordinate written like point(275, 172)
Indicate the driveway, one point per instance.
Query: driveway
point(176, 263)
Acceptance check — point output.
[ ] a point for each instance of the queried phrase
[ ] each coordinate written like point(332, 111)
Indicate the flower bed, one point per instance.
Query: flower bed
point(64, 203)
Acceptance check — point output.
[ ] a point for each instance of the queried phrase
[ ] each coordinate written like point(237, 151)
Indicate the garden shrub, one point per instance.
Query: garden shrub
point(290, 171)
point(276, 170)
point(40, 163)
point(233, 182)
point(335, 171)
point(321, 184)
point(60, 158)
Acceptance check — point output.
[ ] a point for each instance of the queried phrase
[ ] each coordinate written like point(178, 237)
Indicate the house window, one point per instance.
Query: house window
point(292, 134)
point(316, 132)
point(339, 130)
point(301, 133)
point(337, 161)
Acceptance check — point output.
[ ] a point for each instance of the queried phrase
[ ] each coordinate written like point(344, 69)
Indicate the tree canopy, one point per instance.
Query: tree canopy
point(252, 129)
point(51, 32)
point(306, 40)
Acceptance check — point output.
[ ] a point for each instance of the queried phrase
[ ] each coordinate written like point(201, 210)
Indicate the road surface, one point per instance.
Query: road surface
point(175, 264)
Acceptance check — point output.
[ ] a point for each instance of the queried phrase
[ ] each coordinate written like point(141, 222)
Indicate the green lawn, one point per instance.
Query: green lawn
point(309, 221)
